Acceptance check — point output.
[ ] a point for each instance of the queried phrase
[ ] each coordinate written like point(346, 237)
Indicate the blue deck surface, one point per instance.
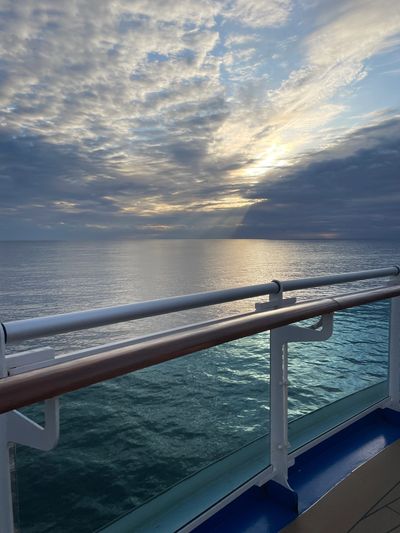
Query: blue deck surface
point(266, 510)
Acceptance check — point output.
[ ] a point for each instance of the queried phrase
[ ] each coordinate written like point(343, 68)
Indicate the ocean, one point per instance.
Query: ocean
point(124, 441)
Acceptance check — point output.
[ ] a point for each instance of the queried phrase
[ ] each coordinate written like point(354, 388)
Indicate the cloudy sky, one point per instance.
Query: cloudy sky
point(193, 118)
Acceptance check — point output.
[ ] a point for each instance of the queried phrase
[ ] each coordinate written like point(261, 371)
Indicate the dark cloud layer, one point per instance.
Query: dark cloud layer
point(33, 169)
point(351, 191)
point(343, 196)
point(47, 191)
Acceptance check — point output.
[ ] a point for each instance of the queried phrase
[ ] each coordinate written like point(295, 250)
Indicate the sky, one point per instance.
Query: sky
point(276, 119)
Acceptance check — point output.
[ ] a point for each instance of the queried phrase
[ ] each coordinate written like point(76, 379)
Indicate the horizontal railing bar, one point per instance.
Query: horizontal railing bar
point(86, 352)
point(323, 281)
point(31, 328)
point(31, 387)
point(135, 340)
point(18, 330)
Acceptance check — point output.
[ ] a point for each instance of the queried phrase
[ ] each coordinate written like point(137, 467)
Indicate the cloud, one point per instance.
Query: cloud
point(54, 191)
point(260, 13)
point(348, 34)
point(350, 191)
point(122, 116)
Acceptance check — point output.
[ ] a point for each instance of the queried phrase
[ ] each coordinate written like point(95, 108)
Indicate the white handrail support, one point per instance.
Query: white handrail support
point(279, 383)
point(23, 430)
point(18, 428)
point(278, 400)
point(394, 354)
point(6, 502)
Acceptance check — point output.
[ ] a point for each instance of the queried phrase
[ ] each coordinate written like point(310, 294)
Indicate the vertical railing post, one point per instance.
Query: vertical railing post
point(278, 401)
point(6, 504)
point(394, 347)
point(394, 352)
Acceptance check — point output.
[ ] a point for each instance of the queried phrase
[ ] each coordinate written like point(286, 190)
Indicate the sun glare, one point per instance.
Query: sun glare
point(272, 158)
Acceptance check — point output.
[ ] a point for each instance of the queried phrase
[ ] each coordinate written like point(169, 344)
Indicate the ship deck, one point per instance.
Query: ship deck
point(367, 501)
point(348, 483)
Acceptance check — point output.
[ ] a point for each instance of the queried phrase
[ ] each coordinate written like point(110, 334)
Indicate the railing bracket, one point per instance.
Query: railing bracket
point(23, 430)
point(320, 331)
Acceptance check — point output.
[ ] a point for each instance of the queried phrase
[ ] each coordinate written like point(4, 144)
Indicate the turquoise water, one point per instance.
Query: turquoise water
point(125, 440)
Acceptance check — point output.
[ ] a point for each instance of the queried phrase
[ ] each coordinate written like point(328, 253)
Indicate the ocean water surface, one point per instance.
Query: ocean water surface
point(126, 440)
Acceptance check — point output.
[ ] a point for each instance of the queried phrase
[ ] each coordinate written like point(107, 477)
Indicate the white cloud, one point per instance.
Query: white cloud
point(349, 34)
point(260, 13)
point(353, 32)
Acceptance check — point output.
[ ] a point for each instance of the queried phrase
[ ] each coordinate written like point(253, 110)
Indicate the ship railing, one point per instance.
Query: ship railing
point(35, 375)
point(19, 330)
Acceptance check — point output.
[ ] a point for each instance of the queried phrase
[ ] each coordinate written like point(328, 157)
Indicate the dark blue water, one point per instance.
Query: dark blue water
point(125, 440)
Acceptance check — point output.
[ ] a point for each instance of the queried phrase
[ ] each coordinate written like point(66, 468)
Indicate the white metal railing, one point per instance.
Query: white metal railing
point(34, 375)
point(19, 330)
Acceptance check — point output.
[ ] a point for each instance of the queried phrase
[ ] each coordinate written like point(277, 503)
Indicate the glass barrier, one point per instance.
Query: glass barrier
point(333, 380)
point(169, 429)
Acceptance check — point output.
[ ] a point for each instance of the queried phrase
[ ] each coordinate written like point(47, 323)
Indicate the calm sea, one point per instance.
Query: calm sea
point(126, 440)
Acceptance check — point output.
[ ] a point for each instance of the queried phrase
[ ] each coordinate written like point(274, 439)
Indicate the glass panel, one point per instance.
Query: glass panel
point(127, 440)
point(311, 426)
point(322, 374)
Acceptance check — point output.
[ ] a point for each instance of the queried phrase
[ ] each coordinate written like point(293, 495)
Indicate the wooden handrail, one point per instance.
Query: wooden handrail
point(28, 388)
